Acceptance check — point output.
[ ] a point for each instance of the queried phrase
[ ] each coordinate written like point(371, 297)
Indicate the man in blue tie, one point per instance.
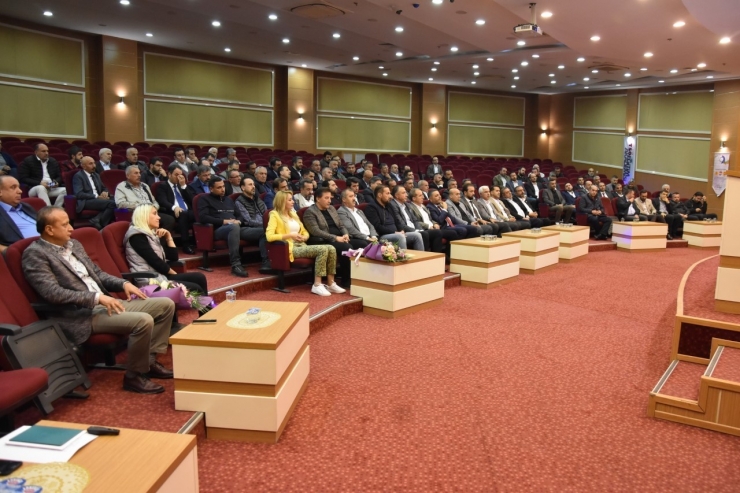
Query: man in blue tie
point(175, 199)
point(17, 219)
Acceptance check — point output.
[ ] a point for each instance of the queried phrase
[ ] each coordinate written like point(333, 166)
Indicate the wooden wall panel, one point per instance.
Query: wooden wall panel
point(363, 134)
point(485, 141)
point(468, 107)
point(363, 98)
point(601, 112)
point(34, 110)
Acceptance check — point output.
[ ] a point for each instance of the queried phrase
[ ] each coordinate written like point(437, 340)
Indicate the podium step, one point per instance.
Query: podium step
point(705, 396)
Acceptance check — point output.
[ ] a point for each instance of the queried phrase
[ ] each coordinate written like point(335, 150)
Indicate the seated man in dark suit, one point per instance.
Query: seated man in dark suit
point(580, 187)
point(569, 195)
point(155, 173)
point(457, 211)
point(471, 206)
point(369, 193)
point(250, 210)
point(17, 219)
point(627, 209)
point(438, 209)
point(596, 215)
point(104, 162)
point(405, 219)
point(421, 216)
point(378, 213)
point(325, 227)
point(336, 199)
point(73, 163)
point(533, 187)
point(261, 184)
point(200, 183)
point(62, 273)
point(617, 192)
point(698, 208)
point(518, 207)
point(353, 184)
point(132, 159)
point(663, 208)
point(233, 182)
point(557, 202)
point(7, 164)
point(92, 195)
point(175, 200)
point(43, 176)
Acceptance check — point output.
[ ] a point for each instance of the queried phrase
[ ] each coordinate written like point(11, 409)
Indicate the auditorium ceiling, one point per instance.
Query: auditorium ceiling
point(460, 43)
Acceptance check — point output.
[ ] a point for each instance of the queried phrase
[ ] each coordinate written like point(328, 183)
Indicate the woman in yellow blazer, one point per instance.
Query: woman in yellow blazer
point(284, 225)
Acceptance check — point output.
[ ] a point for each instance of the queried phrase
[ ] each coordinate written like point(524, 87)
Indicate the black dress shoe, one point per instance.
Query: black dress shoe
point(669, 237)
point(176, 327)
point(266, 267)
point(239, 271)
point(141, 385)
point(95, 224)
point(158, 371)
point(188, 249)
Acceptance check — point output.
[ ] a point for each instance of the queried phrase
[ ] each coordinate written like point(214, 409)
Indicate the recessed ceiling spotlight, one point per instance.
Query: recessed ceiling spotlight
point(546, 14)
point(643, 69)
point(437, 2)
point(521, 43)
point(586, 87)
point(472, 82)
point(480, 22)
point(580, 59)
point(561, 67)
point(434, 69)
point(381, 67)
point(336, 35)
point(586, 79)
point(595, 38)
point(513, 86)
point(648, 54)
point(710, 77)
point(399, 53)
point(124, 2)
point(551, 75)
point(694, 69)
point(48, 13)
point(272, 17)
point(453, 48)
point(679, 24)
point(286, 40)
point(436, 63)
point(515, 70)
point(702, 65)
point(385, 74)
point(304, 65)
point(594, 71)
point(476, 74)
point(399, 29)
point(475, 66)
point(722, 41)
point(628, 74)
point(619, 85)
point(674, 71)
point(535, 55)
point(553, 82)
point(355, 58)
point(227, 50)
point(524, 64)
point(516, 78)
point(149, 35)
point(431, 78)
point(661, 81)
point(489, 59)
point(216, 24)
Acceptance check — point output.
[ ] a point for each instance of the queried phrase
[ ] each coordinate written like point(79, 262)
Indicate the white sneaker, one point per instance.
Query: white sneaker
point(335, 288)
point(320, 290)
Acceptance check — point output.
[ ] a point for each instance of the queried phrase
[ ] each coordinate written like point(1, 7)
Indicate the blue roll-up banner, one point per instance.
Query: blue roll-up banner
point(628, 165)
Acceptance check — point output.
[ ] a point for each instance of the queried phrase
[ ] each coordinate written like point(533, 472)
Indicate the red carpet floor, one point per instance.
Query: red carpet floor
point(698, 296)
point(684, 381)
point(728, 366)
point(540, 385)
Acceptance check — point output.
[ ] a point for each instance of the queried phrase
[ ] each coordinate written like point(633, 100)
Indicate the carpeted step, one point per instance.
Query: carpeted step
point(728, 365)
point(684, 381)
point(677, 244)
point(601, 246)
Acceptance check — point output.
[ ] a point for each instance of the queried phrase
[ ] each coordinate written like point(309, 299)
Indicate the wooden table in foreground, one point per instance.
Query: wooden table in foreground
point(645, 236)
point(573, 241)
point(702, 234)
point(137, 461)
point(484, 264)
point(395, 289)
point(246, 381)
point(539, 250)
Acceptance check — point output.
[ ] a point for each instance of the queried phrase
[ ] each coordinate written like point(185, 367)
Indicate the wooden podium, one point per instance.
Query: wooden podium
point(727, 293)
point(573, 241)
point(484, 264)
point(392, 290)
point(702, 234)
point(539, 251)
point(247, 379)
point(642, 236)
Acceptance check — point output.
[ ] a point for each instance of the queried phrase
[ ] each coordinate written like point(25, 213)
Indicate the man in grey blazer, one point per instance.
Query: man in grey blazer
point(358, 227)
point(62, 273)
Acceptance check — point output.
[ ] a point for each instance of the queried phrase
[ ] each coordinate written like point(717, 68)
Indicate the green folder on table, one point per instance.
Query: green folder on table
point(48, 437)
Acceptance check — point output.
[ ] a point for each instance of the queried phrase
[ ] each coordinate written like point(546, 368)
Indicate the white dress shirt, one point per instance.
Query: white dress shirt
point(92, 184)
point(106, 166)
point(360, 222)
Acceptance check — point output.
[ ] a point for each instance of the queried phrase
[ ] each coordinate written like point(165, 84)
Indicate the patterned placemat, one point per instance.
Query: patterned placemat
point(55, 477)
point(266, 319)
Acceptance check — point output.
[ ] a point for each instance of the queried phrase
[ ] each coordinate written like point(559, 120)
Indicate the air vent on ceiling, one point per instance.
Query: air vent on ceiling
point(317, 10)
point(609, 68)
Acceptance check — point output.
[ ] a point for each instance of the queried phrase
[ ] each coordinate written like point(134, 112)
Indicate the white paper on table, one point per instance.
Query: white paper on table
point(40, 455)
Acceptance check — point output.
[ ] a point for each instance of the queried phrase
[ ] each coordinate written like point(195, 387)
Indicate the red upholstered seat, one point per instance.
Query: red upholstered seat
point(35, 202)
point(279, 254)
point(20, 386)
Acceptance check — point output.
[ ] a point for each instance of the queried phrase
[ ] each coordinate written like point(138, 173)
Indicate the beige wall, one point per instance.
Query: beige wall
point(301, 132)
point(121, 77)
point(433, 110)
